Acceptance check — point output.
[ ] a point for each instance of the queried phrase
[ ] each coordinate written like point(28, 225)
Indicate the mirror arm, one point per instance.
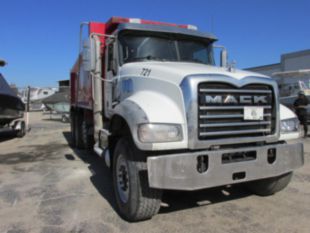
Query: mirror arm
point(81, 34)
point(102, 35)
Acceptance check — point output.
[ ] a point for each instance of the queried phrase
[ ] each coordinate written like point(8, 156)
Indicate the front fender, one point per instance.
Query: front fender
point(152, 107)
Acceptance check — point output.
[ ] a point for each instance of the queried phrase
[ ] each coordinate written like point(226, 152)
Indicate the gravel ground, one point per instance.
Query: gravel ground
point(46, 186)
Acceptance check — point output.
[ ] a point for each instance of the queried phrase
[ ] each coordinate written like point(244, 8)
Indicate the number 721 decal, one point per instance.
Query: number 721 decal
point(146, 72)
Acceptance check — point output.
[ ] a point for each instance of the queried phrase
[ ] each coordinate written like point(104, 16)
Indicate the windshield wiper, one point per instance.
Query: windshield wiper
point(194, 61)
point(149, 58)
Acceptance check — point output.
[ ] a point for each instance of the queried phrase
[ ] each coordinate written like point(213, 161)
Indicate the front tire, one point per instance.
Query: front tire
point(135, 199)
point(270, 186)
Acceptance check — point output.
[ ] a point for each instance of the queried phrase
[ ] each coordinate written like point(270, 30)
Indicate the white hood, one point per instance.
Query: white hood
point(176, 71)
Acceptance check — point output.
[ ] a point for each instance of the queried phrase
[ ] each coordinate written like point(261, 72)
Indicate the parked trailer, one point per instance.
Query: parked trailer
point(148, 97)
point(58, 105)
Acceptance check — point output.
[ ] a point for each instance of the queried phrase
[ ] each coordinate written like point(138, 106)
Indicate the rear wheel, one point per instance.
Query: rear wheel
point(270, 186)
point(64, 119)
point(22, 131)
point(73, 131)
point(135, 199)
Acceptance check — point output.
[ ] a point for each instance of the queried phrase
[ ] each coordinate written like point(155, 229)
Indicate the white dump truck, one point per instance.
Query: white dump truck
point(148, 97)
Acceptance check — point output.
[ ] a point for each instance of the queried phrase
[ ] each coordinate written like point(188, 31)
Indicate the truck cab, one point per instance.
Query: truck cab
point(148, 97)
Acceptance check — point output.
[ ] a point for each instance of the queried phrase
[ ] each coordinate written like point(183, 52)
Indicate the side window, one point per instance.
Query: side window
point(110, 57)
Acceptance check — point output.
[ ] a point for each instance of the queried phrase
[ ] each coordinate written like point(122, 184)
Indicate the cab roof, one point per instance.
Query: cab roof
point(165, 29)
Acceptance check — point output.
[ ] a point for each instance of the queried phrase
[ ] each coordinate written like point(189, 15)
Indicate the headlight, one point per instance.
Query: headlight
point(159, 133)
point(289, 125)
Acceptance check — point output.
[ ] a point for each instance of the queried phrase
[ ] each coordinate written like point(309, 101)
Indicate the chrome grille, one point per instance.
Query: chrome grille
point(226, 120)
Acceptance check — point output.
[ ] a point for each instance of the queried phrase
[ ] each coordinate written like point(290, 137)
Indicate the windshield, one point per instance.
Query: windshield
point(164, 47)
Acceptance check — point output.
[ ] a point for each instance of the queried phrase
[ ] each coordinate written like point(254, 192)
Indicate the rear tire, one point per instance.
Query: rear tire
point(135, 199)
point(86, 137)
point(270, 186)
point(78, 132)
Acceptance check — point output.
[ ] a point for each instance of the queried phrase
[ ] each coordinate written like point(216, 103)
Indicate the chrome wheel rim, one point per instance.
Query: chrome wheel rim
point(122, 178)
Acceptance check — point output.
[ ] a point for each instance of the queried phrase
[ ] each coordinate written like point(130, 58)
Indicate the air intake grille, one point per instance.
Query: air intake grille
point(221, 110)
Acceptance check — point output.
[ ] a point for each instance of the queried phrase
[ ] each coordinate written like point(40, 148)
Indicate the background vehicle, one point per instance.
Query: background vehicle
point(11, 109)
point(37, 95)
point(59, 103)
point(148, 97)
point(290, 83)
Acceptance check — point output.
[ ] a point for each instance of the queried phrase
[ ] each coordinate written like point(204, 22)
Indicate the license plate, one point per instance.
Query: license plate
point(253, 113)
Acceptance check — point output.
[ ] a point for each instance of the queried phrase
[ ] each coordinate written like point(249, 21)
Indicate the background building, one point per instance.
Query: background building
point(294, 61)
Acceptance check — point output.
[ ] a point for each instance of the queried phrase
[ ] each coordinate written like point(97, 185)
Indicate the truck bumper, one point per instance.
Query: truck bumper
point(222, 167)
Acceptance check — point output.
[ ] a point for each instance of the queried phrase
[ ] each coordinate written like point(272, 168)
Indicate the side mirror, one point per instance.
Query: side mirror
point(224, 57)
point(86, 56)
point(91, 55)
point(2, 62)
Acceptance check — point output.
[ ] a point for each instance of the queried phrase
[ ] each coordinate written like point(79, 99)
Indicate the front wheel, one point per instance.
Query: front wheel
point(270, 186)
point(135, 199)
